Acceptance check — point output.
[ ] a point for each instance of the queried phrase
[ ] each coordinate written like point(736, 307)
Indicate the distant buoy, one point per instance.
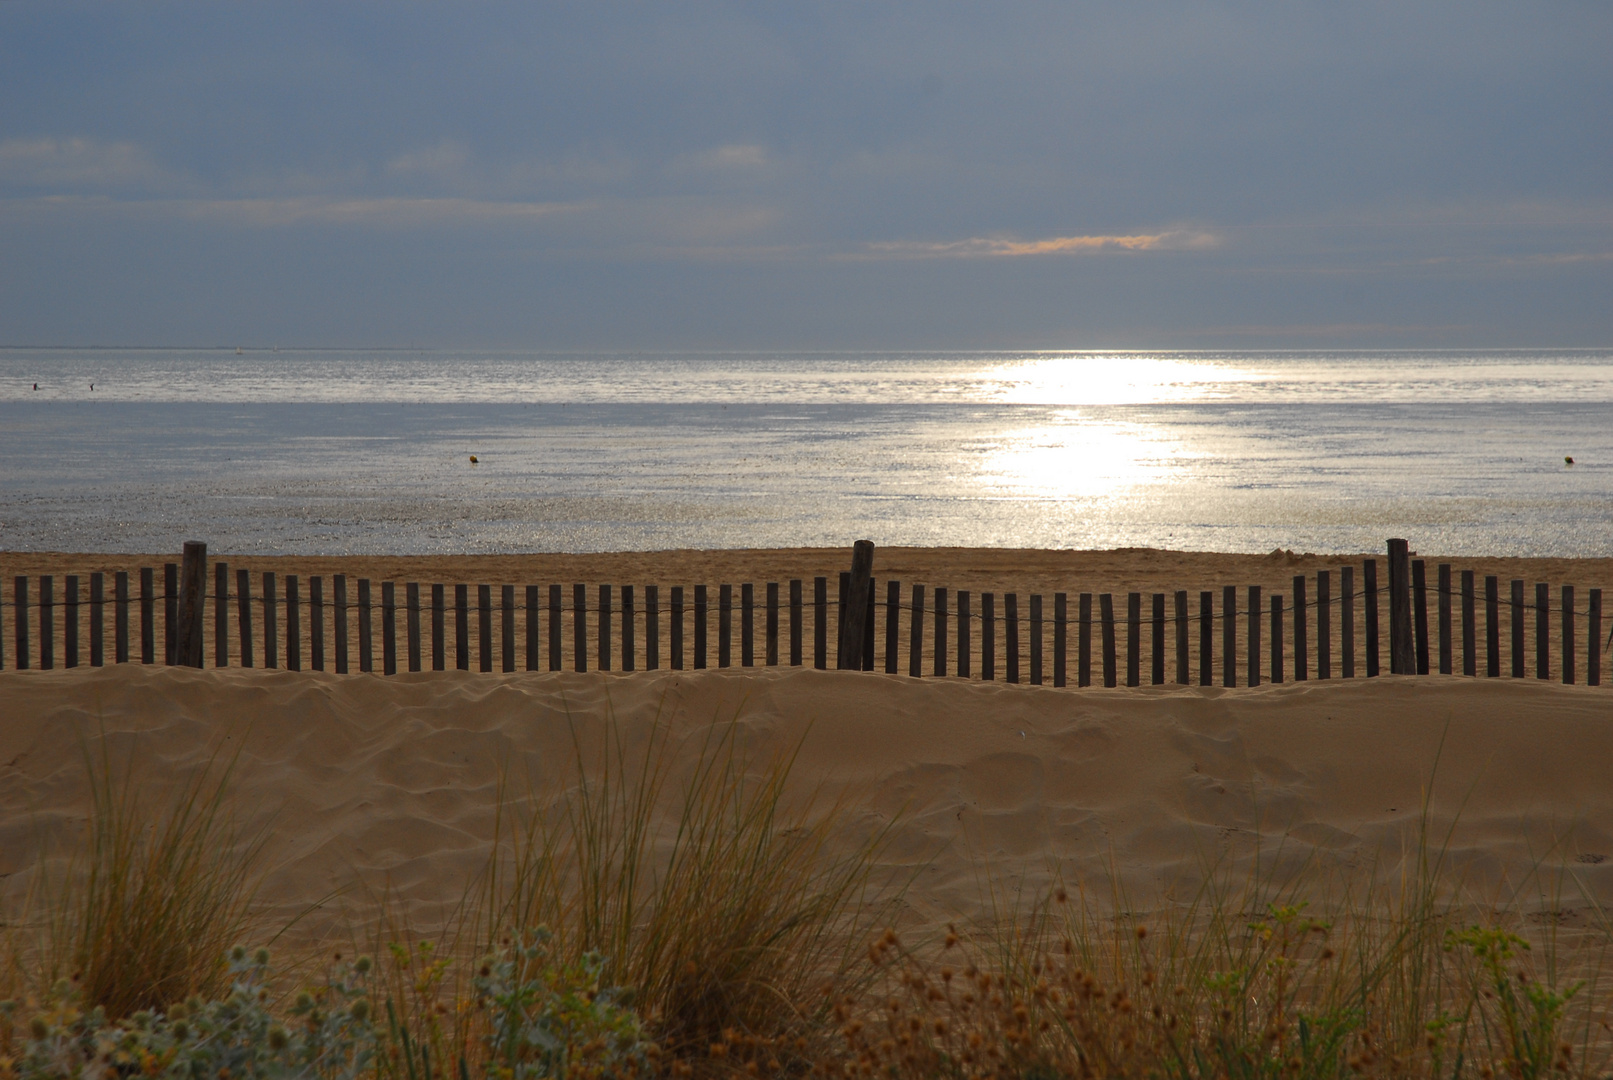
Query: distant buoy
point(1568, 461)
point(473, 459)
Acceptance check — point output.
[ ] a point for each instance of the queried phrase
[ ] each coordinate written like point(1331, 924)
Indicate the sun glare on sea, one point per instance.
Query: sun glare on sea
point(1079, 457)
point(1110, 379)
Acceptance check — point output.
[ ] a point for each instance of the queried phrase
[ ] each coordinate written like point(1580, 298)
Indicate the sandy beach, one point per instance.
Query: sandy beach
point(361, 784)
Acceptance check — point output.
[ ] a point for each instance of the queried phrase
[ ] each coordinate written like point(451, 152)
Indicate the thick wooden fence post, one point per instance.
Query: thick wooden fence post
point(675, 629)
point(1568, 635)
point(1206, 638)
point(1157, 641)
point(1446, 652)
point(1492, 626)
point(915, 635)
point(1229, 635)
point(851, 623)
point(98, 627)
point(1402, 649)
point(1183, 654)
point(1277, 637)
point(1083, 640)
point(965, 631)
point(1470, 624)
point(271, 621)
point(1061, 619)
point(120, 617)
point(1036, 639)
point(316, 622)
point(70, 623)
point(1324, 624)
point(221, 615)
point(1255, 609)
point(243, 613)
point(1134, 642)
point(988, 637)
point(1542, 630)
point(1011, 635)
point(1302, 651)
point(1106, 616)
point(1347, 620)
point(820, 624)
point(1419, 611)
point(939, 661)
point(652, 627)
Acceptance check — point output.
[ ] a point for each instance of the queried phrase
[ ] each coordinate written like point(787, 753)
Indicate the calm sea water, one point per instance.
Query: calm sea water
point(352, 452)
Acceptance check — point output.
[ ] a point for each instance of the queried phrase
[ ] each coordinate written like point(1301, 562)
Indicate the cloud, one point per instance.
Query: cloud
point(1001, 246)
point(77, 164)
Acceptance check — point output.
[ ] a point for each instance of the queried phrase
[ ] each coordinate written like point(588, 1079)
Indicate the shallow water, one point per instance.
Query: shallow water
point(355, 452)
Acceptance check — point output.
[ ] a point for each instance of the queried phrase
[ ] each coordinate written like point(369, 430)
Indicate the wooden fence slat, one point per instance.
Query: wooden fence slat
point(366, 638)
point(965, 632)
point(915, 634)
point(675, 629)
point(1183, 653)
point(439, 628)
point(1083, 640)
point(1324, 624)
point(1518, 618)
point(939, 659)
point(120, 619)
point(19, 601)
point(1542, 630)
point(271, 621)
point(1302, 646)
point(1276, 638)
point(389, 628)
point(411, 621)
point(629, 645)
point(1256, 611)
point(820, 628)
point(579, 627)
point(98, 616)
point(1011, 634)
point(243, 615)
point(148, 616)
point(1106, 616)
point(1036, 639)
point(556, 640)
point(725, 629)
point(1402, 646)
point(484, 628)
point(1568, 635)
point(534, 628)
point(1470, 624)
point(988, 637)
point(1593, 643)
point(1446, 650)
point(795, 622)
point(1206, 638)
point(170, 610)
point(1419, 611)
point(1134, 642)
point(1347, 620)
point(652, 628)
point(70, 623)
point(772, 624)
point(893, 626)
point(1229, 635)
point(1369, 597)
point(1061, 613)
point(47, 622)
point(747, 626)
point(1157, 641)
point(1492, 626)
point(293, 625)
point(316, 622)
point(701, 603)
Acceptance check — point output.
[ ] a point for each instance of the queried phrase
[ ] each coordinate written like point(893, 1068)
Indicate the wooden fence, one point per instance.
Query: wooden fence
point(1355, 624)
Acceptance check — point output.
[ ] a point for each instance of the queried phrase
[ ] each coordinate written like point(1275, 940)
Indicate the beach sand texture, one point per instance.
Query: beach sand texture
point(363, 785)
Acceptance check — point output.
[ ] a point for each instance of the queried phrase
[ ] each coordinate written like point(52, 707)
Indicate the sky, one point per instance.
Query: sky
point(801, 175)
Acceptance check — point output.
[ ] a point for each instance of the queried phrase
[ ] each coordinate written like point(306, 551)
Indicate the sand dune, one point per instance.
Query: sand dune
point(365, 783)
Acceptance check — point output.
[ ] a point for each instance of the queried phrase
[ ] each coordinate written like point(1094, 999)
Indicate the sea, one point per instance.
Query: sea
point(322, 451)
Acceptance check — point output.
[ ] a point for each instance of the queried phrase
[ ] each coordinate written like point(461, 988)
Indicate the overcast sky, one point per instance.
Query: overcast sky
point(801, 175)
